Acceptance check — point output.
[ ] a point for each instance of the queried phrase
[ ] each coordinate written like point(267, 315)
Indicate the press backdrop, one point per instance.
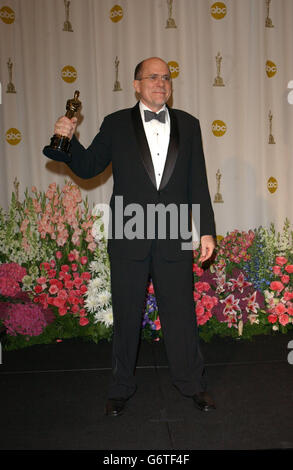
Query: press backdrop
point(231, 64)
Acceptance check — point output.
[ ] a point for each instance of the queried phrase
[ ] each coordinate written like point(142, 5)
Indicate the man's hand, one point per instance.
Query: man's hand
point(65, 126)
point(208, 245)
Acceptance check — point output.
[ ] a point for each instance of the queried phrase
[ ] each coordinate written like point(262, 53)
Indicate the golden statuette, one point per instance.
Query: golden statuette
point(59, 148)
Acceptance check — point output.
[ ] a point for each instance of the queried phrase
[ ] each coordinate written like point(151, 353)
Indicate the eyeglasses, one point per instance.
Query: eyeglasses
point(154, 77)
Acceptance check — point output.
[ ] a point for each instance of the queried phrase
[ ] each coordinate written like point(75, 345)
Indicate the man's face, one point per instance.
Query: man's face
point(154, 91)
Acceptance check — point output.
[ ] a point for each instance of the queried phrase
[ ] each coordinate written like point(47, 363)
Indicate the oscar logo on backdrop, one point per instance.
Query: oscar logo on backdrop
point(218, 195)
point(170, 21)
point(271, 137)
point(67, 25)
point(59, 148)
point(10, 86)
point(269, 23)
point(117, 86)
point(218, 80)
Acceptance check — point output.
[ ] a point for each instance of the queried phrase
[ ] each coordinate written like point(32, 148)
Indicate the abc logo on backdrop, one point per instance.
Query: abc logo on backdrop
point(69, 74)
point(271, 68)
point(218, 10)
point(13, 136)
point(219, 128)
point(116, 13)
point(174, 68)
point(272, 184)
point(7, 15)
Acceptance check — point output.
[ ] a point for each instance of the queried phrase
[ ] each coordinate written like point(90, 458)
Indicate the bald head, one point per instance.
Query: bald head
point(138, 72)
point(152, 82)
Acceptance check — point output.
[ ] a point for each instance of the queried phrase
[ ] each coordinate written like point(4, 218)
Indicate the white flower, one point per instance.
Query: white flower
point(104, 297)
point(105, 316)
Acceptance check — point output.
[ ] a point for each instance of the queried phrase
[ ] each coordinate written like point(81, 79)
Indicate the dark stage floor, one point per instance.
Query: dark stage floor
point(52, 397)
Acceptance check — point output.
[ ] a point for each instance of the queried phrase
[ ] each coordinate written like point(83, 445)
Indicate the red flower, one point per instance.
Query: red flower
point(288, 296)
point(289, 268)
point(62, 311)
point(281, 260)
point(53, 289)
point(83, 260)
point(83, 289)
point(46, 266)
point(158, 324)
point(65, 268)
point(83, 321)
point(284, 319)
point(273, 318)
point(202, 286)
point(86, 276)
point(277, 270)
point(38, 289)
point(277, 285)
point(285, 279)
point(280, 308)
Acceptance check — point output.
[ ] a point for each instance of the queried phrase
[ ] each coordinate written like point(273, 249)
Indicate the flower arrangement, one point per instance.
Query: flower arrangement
point(62, 286)
point(279, 296)
point(55, 276)
point(18, 313)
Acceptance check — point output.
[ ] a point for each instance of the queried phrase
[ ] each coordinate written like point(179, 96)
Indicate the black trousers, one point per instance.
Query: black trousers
point(173, 284)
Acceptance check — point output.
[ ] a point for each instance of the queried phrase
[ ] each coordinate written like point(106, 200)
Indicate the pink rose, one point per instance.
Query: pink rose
point(280, 308)
point(53, 289)
point(85, 276)
point(71, 257)
point(288, 295)
point(285, 279)
point(83, 321)
point(281, 260)
point(62, 311)
point(273, 318)
point(277, 270)
point(277, 285)
point(289, 268)
point(284, 319)
point(58, 254)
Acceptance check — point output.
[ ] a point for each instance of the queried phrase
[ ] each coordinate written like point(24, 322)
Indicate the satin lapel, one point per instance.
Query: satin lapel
point(173, 147)
point(142, 142)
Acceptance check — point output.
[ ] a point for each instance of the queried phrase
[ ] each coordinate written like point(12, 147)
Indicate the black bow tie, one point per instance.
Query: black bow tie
point(149, 115)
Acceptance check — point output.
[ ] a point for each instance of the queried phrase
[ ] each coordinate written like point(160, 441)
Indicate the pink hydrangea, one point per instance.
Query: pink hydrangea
point(27, 319)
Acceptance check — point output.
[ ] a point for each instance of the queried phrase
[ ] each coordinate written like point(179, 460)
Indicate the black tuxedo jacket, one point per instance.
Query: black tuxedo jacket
point(122, 141)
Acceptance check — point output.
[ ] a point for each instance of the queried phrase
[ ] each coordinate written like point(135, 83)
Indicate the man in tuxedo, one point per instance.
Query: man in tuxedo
point(158, 161)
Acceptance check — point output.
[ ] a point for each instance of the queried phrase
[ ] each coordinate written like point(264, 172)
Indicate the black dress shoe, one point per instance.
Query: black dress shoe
point(204, 402)
point(115, 406)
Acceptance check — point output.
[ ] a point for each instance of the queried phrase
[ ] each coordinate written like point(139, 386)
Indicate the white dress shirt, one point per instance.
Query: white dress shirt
point(158, 136)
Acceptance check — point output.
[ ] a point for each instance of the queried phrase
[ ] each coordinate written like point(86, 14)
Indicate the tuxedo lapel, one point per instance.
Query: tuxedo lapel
point(143, 145)
point(145, 153)
point(173, 147)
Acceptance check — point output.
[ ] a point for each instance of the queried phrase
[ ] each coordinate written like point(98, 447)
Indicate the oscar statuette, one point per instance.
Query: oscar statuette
point(59, 148)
